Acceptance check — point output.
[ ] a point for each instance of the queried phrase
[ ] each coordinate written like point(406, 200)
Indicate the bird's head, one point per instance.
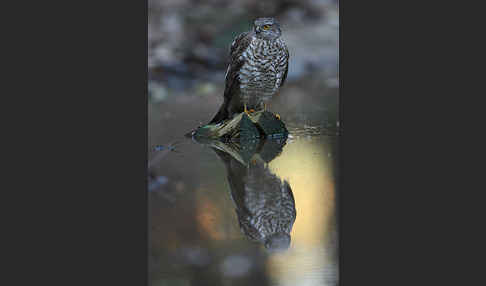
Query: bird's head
point(267, 28)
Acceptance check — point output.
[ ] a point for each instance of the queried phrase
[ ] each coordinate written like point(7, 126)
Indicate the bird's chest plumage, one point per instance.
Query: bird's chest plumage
point(258, 75)
point(269, 206)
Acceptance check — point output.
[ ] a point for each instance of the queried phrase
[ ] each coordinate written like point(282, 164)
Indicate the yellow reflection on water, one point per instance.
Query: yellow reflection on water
point(306, 166)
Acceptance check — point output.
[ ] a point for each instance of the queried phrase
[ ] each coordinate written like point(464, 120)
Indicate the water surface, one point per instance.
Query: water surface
point(205, 199)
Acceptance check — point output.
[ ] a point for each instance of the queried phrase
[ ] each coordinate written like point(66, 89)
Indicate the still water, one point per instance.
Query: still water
point(248, 213)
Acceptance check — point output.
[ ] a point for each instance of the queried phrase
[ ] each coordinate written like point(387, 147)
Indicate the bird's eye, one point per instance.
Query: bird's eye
point(266, 27)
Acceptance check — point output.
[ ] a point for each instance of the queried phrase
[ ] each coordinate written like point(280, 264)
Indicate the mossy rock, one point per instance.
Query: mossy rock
point(243, 127)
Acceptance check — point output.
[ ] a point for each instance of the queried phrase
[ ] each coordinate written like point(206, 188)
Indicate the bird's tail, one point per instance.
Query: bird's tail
point(221, 115)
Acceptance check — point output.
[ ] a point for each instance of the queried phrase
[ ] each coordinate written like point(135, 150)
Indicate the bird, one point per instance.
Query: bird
point(264, 203)
point(258, 67)
point(266, 208)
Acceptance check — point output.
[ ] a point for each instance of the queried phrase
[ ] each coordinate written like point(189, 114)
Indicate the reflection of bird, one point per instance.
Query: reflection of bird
point(257, 69)
point(265, 204)
point(267, 209)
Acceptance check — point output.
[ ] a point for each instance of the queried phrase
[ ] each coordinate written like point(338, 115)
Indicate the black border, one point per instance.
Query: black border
point(82, 199)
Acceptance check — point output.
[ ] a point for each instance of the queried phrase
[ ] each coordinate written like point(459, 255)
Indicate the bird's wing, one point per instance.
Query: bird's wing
point(286, 62)
point(239, 45)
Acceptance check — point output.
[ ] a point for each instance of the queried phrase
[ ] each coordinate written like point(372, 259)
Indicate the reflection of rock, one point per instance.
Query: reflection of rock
point(271, 149)
point(265, 204)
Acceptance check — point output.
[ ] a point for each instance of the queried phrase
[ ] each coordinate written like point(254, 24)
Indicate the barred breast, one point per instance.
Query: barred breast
point(261, 74)
point(269, 202)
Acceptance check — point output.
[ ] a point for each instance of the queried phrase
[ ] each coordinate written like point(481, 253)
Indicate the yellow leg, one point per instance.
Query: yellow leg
point(248, 111)
point(264, 107)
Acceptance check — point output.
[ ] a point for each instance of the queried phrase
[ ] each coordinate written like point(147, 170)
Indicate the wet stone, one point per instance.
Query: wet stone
point(243, 127)
point(271, 149)
point(270, 125)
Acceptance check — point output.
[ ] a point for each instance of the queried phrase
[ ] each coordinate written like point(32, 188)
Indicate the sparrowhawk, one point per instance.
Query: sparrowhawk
point(258, 68)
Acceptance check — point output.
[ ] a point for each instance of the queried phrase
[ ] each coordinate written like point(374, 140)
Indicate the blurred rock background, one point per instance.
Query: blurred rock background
point(189, 43)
